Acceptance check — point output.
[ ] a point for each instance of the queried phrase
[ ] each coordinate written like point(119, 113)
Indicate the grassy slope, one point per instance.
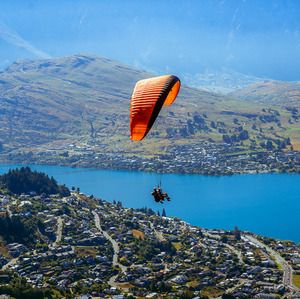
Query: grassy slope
point(283, 96)
point(296, 280)
point(52, 103)
point(275, 92)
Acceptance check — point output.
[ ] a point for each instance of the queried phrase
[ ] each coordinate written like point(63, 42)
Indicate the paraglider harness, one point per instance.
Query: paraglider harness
point(160, 196)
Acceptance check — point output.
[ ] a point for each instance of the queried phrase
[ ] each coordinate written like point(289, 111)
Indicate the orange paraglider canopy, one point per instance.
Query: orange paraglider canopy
point(148, 97)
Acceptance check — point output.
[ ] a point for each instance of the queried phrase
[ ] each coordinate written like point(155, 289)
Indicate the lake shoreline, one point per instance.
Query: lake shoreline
point(251, 202)
point(146, 170)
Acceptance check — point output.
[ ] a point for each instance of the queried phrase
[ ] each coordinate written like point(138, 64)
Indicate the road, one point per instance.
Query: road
point(237, 252)
point(238, 285)
point(159, 236)
point(287, 279)
point(231, 248)
point(12, 262)
point(116, 248)
point(58, 232)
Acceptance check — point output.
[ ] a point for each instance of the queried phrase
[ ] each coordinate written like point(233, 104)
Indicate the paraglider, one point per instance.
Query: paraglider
point(149, 95)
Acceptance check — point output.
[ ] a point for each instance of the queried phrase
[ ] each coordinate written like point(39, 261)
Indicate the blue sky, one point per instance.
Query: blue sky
point(257, 37)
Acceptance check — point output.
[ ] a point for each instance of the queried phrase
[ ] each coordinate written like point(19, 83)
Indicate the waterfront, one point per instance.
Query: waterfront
point(266, 204)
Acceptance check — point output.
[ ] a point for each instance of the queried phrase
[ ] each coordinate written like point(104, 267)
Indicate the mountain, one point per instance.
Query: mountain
point(82, 96)
point(78, 105)
point(44, 99)
point(284, 95)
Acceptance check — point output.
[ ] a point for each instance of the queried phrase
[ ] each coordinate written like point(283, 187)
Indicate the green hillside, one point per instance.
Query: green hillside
point(82, 102)
point(285, 96)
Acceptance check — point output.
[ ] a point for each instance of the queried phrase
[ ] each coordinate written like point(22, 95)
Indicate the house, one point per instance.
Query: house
point(179, 279)
point(16, 249)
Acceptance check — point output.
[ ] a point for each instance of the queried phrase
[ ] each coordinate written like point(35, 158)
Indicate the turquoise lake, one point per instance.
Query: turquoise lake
point(267, 204)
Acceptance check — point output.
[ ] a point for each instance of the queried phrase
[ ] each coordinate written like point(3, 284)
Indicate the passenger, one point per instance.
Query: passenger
point(160, 196)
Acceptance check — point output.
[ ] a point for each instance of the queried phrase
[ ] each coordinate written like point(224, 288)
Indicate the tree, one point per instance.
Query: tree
point(190, 127)
point(244, 135)
point(226, 139)
point(228, 296)
point(237, 233)
point(17, 229)
point(186, 294)
point(163, 214)
point(24, 180)
point(269, 145)
point(236, 121)
point(224, 239)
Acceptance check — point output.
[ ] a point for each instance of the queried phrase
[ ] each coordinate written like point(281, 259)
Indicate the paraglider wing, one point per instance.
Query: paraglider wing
point(148, 97)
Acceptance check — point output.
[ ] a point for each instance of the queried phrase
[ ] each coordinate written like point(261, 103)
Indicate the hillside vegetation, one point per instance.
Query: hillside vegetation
point(24, 180)
point(83, 101)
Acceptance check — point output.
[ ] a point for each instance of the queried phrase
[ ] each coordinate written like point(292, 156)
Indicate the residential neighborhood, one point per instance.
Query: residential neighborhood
point(90, 248)
point(200, 157)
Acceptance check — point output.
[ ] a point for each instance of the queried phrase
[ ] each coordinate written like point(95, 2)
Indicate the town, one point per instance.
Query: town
point(85, 247)
point(199, 157)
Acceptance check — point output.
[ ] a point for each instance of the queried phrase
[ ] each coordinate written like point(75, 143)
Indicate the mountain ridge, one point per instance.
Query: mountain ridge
point(71, 106)
point(271, 91)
